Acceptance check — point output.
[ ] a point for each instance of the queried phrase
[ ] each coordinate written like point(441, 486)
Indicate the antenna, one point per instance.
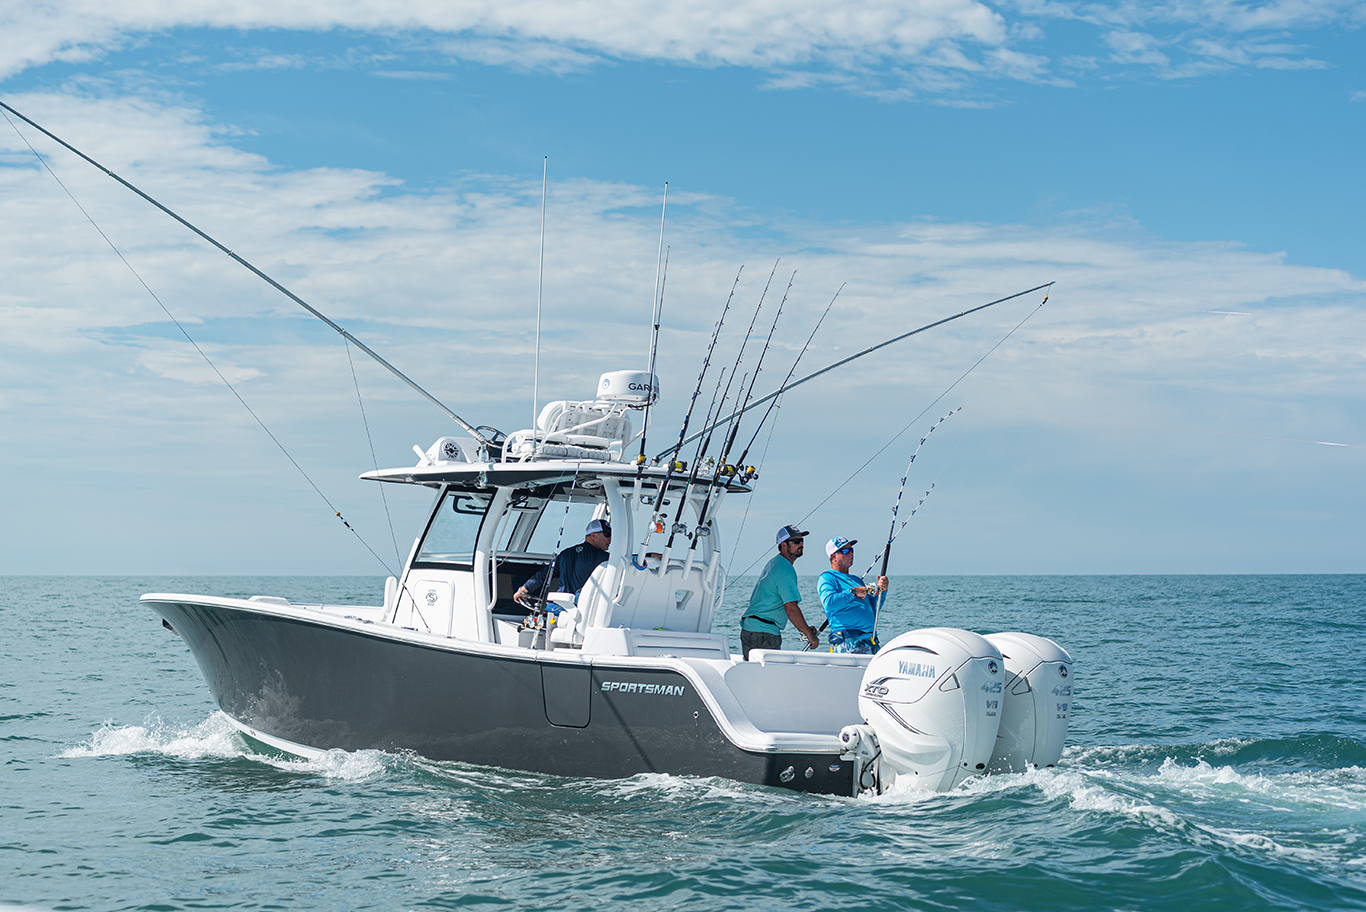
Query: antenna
point(540, 284)
point(655, 304)
point(656, 311)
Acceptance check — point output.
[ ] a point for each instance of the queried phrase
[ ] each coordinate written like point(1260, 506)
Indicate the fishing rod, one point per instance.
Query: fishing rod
point(871, 349)
point(698, 458)
point(735, 428)
point(469, 428)
point(657, 525)
point(691, 481)
point(687, 417)
point(740, 463)
point(706, 444)
point(656, 311)
point(723, 467)
point(744, 341)
point(893, 531)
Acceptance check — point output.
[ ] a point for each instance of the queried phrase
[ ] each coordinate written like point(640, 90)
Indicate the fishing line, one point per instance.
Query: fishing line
point(923, 411)
point(872, 348)
point(893, 531)
point(469, 428)
point(882, 602)
point(207, 359)
point(374, 460)
point(898, 434)
point(748, 502)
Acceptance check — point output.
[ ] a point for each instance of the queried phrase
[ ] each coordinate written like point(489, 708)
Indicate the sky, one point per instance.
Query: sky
point(1187, 174)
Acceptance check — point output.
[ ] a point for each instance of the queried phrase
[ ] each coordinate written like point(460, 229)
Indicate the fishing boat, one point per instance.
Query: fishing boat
point(629, 676)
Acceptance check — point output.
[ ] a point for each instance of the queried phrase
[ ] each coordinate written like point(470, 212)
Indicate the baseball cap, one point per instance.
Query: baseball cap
point(838, 542)
point(599, 525)
point(787, 532)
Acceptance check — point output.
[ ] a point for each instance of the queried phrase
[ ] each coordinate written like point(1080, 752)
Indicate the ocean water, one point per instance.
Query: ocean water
point(1217, 758)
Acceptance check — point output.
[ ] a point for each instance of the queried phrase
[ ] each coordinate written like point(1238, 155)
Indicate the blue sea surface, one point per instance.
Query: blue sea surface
point(1217, 757)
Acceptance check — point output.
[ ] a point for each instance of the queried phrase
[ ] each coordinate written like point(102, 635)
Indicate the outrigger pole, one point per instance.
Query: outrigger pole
point(474, 432)
point(867, 351)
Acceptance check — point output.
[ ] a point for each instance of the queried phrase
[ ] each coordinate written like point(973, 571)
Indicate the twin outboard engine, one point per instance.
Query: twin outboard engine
point(944, 705)
point(1038, 701)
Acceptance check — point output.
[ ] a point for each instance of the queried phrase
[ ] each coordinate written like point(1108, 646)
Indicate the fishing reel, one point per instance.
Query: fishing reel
point(535, 608)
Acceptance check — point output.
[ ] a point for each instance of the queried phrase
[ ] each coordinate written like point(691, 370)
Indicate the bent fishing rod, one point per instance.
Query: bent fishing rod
point(469, 428)
point(871, 349)
point(892, 530)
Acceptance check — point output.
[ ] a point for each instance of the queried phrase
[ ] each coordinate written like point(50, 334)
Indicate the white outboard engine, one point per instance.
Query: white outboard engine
point(1038, 701)
point(932, 703)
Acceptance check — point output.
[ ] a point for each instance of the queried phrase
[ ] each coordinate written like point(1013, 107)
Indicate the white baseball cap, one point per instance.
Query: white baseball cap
point(838, 542)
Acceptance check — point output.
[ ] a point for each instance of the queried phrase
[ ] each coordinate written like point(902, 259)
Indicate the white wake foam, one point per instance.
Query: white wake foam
point(217, 737)
point(214, 737)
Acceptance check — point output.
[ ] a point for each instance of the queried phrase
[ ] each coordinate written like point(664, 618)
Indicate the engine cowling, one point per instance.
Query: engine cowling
point(933, 699)
point(1037, 702)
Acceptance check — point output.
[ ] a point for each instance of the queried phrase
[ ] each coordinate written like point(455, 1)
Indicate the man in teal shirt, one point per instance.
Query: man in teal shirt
point(775, 600)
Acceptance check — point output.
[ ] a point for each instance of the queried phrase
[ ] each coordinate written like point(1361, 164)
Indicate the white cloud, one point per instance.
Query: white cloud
point(756, 33)
point(443, 282)
point(889, 48)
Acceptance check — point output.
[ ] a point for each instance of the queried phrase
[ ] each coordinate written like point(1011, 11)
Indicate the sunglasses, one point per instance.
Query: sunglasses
point(845, 551)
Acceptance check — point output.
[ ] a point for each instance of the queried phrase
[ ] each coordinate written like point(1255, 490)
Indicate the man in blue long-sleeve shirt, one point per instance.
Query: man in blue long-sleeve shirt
point(572, 566)
point(849, 603)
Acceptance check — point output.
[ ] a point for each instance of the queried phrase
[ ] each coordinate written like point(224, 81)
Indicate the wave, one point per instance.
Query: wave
point(1306, 752)
point(217, 738)
point(1301, 816)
